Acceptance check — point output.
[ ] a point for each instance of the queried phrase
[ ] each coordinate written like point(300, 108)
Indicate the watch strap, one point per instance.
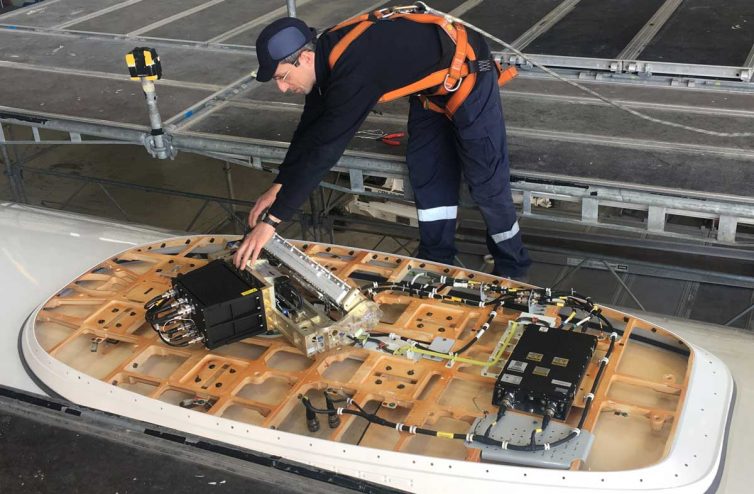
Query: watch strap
point(266, 219)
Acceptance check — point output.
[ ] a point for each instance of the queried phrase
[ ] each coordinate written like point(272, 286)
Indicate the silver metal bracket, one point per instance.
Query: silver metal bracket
point(516, 429)
point(165, 151)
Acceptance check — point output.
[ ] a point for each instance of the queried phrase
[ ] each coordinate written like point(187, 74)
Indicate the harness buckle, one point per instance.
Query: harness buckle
point(451, 89)
point(387, 12)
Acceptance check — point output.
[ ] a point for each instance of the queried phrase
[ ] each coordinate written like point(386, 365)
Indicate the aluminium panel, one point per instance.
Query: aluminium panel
point(100, 99)
point(705, 32)
point(104, 55)
point(131, 18)
point(53, 12)
point(677, 171)
point(596, 28)
point(215, 20)
point(681, 99)
point(509, 19)
point(278, 125)
point(314, 15)
point(605, 121)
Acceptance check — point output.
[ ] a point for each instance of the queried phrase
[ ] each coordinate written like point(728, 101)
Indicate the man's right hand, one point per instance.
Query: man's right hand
point(263, 202)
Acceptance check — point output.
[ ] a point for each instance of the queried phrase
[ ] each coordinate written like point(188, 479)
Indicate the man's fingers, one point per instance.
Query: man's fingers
point(255, 253)
point(242, 254)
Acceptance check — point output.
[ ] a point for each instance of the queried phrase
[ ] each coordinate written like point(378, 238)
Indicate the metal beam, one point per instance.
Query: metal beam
point(640, 67)
point(155, 42)
point(124, 77)
point(184, 118)
point(650, 30)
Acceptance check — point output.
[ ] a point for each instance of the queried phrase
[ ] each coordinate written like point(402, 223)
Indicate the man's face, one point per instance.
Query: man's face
point(298, 78)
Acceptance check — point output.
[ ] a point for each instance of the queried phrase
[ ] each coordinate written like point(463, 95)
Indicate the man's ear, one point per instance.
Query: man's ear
point(307, 57)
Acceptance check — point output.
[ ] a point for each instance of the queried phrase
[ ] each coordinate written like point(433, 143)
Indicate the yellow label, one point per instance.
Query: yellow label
point(130, 60)
point(148, 57)
point(248, 292)
point(446, 435)
point(562, 362)
point(534, 357)
point(540, 371)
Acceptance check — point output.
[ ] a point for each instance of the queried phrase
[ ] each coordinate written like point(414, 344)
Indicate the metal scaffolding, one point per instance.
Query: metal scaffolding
point(225, 92)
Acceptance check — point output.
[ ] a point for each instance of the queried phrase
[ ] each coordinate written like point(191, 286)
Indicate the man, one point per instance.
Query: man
point(342, 90)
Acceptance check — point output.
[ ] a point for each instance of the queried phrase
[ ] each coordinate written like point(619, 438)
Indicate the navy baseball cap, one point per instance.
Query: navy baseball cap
point(278, 40)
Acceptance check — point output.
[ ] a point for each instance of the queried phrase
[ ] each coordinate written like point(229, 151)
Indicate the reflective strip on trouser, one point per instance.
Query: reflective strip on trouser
point(474, 144)
point(439, 213)
point(507, 235)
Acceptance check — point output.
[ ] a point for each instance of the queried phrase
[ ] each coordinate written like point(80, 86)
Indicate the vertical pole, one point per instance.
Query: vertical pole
point(160, 151)
point(291, 8)
point(231, 196)
point(316, 204)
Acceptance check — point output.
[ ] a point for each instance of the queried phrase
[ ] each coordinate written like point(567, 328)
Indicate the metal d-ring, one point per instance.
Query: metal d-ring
point(454, 89)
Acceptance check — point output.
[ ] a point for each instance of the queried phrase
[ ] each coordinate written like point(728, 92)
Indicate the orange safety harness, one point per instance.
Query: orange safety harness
point(458, 79)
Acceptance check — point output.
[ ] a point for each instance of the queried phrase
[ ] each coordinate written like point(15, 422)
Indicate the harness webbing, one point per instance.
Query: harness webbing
point(459, 78)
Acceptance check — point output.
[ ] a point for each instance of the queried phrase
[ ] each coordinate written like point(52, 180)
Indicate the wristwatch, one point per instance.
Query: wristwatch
point(266, 219)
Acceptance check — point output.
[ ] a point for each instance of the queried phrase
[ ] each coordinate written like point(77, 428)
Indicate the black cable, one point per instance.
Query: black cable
point(483, 439)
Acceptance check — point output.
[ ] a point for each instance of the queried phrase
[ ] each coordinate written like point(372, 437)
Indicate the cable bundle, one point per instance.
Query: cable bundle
point(168, 317)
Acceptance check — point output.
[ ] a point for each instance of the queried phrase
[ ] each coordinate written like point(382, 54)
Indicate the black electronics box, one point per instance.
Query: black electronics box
point(227, 303)
point(545, 370)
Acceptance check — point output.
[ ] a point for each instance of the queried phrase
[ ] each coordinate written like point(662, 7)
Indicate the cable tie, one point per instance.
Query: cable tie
point(586, 319)
point(418, 275)
point(576, 431)
point(399, 427)
point(443, 279)
point(470, 437)
point(349, 400)
point(614, 336)
point(481, 303)
point(339, 411)
point(605, 360)
point(412, 430)
point(504, 445)
point(485, 326)
point(589, 396)
point(493, 314)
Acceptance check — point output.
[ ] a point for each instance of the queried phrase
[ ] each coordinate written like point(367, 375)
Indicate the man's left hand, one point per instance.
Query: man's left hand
point(252, 244)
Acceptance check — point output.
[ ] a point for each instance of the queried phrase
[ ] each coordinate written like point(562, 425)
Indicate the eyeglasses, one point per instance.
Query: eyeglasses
point(281, 78)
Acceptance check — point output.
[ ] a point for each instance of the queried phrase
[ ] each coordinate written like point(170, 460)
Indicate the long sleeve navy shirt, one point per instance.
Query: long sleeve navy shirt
point(387, 56)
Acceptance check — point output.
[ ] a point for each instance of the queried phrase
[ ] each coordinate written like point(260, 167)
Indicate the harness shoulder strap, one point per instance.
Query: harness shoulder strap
point(342, 45)
point(458, 79)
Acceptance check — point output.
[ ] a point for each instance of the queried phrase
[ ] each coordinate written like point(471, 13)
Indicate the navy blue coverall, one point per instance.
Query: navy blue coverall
point(390, 55)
